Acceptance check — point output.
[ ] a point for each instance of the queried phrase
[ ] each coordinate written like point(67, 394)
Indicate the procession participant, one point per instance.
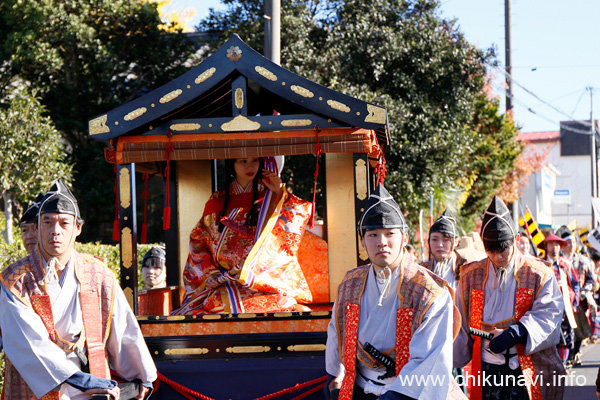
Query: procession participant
point(154, 272)
point(568, 282)
point(524, 243)
point(517, 299)
point(64, 318)
point(391, 330)
point(586, 276)
point(243, 250)
point(444, 261)
point(28, 224)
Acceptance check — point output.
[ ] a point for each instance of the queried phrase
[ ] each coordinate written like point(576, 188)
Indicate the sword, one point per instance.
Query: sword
point(387, 361)
point(481, 334)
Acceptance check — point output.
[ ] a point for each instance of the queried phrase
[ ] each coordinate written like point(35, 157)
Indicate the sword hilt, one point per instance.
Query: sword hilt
point(481, 334)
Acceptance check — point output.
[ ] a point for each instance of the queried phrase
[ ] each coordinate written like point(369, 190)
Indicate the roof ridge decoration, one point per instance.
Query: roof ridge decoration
point(236, 64)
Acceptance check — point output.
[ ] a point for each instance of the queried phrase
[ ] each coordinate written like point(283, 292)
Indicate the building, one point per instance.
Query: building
point(561, 193)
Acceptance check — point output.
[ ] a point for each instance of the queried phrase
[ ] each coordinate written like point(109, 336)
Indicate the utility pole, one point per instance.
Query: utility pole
point(593, 154)
point(508, 55)
point(273, 30)
point(509, 85)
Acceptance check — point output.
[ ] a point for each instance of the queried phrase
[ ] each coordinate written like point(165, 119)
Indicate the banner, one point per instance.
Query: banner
point(593, 238)
point(530, 226)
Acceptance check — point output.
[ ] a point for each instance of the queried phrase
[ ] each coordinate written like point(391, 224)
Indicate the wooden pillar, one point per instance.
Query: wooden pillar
point(194, 188)
point(128, 234)
point(341, 221)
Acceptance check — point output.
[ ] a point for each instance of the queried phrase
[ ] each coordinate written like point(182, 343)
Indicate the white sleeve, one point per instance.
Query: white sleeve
point(42, 364)
point(128, 354)
point(463, 344)
point(429, 369)
point(543, 320)
point(333, 363)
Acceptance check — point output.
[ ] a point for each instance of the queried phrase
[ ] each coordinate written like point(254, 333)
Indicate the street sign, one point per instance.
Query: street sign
point(562, 196)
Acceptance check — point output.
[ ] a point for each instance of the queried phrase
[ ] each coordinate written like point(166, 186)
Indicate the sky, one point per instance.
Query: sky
point(555, 53)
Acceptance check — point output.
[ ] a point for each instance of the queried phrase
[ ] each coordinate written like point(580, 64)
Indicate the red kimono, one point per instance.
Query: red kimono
point(245, 269)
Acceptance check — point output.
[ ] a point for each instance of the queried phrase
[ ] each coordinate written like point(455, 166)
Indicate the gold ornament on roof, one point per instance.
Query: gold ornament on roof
point(98, 125)
point(302, 91)
point(376, 115)
point(234, 53)
point(240, 123)
point(205, 75)
point(336, 105)
point(296, 122)
point(135, 113)
point(170, 96)
point(266, 73)
point(185, 127)
point(239, 98)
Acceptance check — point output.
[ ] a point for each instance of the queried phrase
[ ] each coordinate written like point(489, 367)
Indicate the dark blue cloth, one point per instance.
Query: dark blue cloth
point(82, 381)
point(516, 334)
point(326, 387)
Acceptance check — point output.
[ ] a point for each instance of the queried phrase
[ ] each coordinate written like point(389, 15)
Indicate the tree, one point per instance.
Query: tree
point(32, 154)
point(402, 55)
point(86, 57)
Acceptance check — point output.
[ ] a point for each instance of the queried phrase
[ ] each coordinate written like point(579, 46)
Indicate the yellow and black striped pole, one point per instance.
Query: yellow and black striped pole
point(531, 227)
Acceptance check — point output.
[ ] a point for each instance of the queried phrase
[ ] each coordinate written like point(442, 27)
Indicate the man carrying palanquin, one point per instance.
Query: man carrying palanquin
point(517, 299)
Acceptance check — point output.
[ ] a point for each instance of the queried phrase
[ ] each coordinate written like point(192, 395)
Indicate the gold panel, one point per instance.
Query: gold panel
point(307, 347)
point(185, 127)
point(126, 247)
point(360, 179)
point(282, 314)
point(211, 316)
point(124, 188)
point(129, 296)
point(240, 123)
point(239, 98)
point(319, 313)
point(266, 73)
point(247, 315)
point(205, 75)
point(175, 317)
point(170, 96)
point(248, 349)
point(185, 352)
point(234, 53)
point(336, 105)
point(376, 115)
point(302, 91)
point(98, 125)
point(135, 113)
point(296, 122)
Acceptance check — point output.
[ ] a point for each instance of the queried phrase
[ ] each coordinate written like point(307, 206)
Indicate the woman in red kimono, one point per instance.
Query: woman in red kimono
point(243, 250)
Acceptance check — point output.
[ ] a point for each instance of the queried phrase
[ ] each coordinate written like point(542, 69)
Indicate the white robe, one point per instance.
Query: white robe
point(430, 346)
point(45, 366)
point(542, 321)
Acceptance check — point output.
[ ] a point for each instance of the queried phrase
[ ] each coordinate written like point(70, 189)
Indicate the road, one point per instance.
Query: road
point(581, 382)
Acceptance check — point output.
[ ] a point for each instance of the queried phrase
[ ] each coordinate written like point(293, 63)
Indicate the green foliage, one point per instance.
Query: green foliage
point(492, 159)
point(32, 155)
point(86, 57)
point(402, 55)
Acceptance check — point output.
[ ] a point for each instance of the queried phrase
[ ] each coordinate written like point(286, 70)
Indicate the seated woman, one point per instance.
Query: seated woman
point(243, 250)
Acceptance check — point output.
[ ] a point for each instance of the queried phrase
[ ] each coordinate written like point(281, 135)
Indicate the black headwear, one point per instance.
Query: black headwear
point(59, 199)
point(155, 252)
point(564, 232)
point(445, 224)
point(381, 211)
point(497, 225)
point(31, 214)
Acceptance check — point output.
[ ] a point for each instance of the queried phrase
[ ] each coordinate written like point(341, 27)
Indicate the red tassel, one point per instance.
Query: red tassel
point(116, 235)
point(318, 151)
point(167, 218)
point(167, 211)
point(145, 197)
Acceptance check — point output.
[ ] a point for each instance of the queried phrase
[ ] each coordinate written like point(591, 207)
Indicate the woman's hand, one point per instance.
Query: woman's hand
point(272, 181)
point(213, 282)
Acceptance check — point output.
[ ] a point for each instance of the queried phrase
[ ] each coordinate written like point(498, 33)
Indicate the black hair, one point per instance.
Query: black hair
point(229, 178)
point(595, 256)
point(497, 247)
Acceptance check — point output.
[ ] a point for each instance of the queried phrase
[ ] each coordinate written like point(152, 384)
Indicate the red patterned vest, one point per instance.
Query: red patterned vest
point(417, 290)
point(544, 366)
point(25, 279)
